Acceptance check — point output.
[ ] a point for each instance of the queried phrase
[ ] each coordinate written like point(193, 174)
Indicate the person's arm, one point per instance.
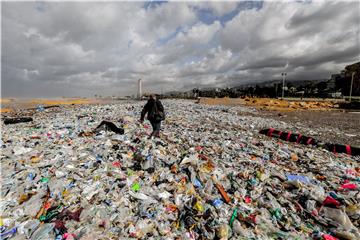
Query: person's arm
point(144, 111)
point(160, 106)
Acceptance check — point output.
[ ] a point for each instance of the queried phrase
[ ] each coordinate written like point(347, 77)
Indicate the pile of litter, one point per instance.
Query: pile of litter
point(211, 175)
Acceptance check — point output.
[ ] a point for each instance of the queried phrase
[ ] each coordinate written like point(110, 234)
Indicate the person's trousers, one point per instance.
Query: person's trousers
point(156, 128)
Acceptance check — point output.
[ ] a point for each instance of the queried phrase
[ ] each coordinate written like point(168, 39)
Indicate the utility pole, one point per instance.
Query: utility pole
point(283, 74)
point(351, 84)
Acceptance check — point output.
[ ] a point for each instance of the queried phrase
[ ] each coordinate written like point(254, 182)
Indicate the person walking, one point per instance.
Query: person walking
point(155, 114)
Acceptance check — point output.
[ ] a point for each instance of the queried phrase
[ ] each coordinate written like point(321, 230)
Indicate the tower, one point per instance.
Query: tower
point(139, 89)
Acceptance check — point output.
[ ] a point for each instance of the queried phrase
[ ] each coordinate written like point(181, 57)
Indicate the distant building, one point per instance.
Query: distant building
point(139, 89)
point(335, 94)
point(331, 84)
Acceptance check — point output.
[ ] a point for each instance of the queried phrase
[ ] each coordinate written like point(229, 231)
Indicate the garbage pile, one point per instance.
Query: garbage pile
point(209, 176)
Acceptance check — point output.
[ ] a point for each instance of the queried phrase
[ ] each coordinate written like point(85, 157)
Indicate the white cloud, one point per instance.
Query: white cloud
point(105, 47)
point(199, 33)
point(165, 19)
point(213, 62)
point(260, 35)
point(221, 8)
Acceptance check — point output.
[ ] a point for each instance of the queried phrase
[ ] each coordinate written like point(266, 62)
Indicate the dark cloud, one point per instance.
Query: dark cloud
point(272, 62)
point(320, 57)
point(317, 16)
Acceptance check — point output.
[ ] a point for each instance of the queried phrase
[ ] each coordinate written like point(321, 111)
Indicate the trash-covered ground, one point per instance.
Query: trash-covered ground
point(342, 127)
point(210, 176)
point(328, 124)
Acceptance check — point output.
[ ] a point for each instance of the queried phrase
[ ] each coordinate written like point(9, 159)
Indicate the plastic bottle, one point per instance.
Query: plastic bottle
point(42, 232)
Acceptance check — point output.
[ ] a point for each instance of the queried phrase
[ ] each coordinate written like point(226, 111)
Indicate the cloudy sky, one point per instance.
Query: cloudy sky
point(52, 49)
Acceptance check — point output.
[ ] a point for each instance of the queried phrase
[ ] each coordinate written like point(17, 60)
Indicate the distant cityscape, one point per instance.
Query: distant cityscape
point(338, 86)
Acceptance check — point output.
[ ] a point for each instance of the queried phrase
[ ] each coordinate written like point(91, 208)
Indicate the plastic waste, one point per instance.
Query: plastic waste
point(43, 231)
point(209, 176)
point(338, 217)
point(302, 179)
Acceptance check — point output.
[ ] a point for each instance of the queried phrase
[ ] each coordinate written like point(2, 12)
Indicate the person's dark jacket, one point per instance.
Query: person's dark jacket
point(150, 109)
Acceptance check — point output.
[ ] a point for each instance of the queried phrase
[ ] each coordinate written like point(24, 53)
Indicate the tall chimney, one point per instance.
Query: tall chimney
point(139, 89)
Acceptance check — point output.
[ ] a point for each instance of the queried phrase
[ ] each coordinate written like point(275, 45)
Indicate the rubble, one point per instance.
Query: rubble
point(210, 175)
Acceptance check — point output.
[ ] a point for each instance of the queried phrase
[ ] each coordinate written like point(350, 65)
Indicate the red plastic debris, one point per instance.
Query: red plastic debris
point(248, 199)
point(116, 164)
point(329, 237)
point(329, 201)
point(350, 186)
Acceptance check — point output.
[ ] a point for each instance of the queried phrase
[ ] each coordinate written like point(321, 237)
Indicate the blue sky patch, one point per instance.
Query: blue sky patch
point(207, 16)
point(164, 40)
point(153, 4)
point(40, 6)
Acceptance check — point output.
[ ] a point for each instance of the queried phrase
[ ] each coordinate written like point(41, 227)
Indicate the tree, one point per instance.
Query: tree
point(322, 86)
